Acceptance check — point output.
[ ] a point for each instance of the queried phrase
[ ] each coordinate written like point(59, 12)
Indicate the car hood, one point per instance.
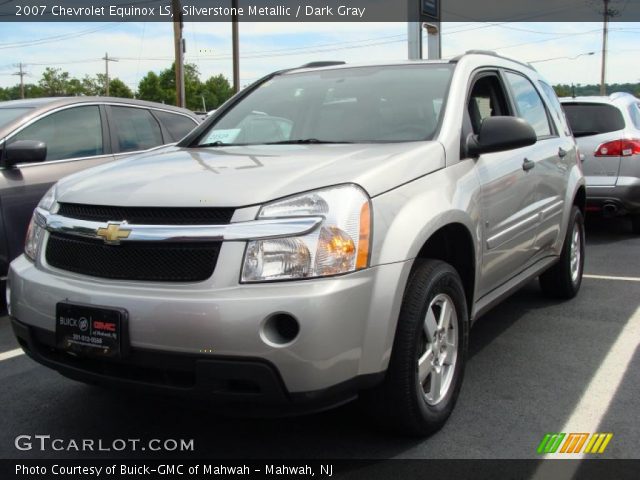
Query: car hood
point(247, 175)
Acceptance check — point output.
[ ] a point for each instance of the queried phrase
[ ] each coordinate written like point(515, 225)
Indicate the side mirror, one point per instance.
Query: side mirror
point(498, 134)
point(24, 151)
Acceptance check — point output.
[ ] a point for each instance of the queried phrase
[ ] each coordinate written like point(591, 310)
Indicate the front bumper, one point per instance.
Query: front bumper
point(231, 384)
point(346, 333)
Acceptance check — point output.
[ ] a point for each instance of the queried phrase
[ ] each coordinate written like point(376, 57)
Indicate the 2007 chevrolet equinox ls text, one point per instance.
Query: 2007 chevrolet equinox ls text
point(332, 231)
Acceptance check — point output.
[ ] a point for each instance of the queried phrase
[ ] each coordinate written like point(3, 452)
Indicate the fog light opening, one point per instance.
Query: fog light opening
point(280, 329)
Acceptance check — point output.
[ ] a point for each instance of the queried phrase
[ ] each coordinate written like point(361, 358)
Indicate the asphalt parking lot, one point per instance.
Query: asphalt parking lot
point(536, 366)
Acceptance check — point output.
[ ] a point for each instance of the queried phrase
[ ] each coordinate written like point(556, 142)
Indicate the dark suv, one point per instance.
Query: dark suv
point(45, 139)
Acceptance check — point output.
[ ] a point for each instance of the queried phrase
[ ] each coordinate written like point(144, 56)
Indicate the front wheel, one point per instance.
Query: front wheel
point(429, 353)
point(635, 223)
point(563, 280)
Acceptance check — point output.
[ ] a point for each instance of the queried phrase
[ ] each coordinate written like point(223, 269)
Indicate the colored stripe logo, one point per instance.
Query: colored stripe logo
point(574, 443)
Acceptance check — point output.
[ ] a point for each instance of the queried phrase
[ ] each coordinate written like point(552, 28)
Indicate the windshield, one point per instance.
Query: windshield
point(347, 105)
point(8, 115)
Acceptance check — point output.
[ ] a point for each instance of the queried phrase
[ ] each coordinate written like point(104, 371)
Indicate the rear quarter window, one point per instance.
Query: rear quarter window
point(177, 125)
point(135, 129)
point(556, 109)
point(593, 118)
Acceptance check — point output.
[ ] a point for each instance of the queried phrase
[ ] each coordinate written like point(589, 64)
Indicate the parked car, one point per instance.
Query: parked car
point(297, 268)
point(608, 133)
point(44, 139)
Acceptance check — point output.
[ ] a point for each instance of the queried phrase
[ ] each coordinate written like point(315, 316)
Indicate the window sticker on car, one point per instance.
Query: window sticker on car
point(225, 136)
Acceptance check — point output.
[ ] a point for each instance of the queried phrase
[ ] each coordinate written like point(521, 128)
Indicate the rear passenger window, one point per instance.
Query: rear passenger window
point(135, 129)
point(177, 125)
point(529, 104)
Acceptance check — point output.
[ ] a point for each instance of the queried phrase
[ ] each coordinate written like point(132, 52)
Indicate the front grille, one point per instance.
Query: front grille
point(148, 215)
point(150, 261)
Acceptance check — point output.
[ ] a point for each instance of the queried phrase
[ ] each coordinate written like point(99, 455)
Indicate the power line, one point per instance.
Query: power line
point(57, 38)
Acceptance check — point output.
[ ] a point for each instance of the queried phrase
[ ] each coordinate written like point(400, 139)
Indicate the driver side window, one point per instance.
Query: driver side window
point(487, 99)
point(71, 133)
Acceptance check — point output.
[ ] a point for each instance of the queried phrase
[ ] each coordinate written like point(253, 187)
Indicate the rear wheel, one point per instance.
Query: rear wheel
point(563, 280)
point(429, 352)
point(635, 223)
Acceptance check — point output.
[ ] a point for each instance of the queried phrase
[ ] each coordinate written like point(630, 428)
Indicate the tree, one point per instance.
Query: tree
point(589, 90)
point(192, 85)
point(149, 88)
point(162, 88)
point(13, 93)
point(75, 87)
point(219, 88)
point(54, 82)
point(117, 88)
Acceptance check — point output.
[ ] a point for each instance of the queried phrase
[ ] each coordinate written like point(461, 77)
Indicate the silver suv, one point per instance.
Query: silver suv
point(331, 231)
point(608, 133)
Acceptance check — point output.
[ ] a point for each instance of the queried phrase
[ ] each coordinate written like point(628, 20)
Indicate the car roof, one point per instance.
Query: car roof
point(486, 55)
point(49, 102)
point(40, 106)
point(617, 98)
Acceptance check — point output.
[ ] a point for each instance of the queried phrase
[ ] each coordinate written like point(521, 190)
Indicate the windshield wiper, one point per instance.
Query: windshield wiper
point(303, 141)
point(217, 143)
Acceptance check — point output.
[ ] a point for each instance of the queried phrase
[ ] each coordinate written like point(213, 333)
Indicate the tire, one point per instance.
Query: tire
point(402, 403)
point(635, 223)
point(563, 280)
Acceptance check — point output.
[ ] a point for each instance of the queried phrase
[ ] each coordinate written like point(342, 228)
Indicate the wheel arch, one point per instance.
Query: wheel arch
point(453, 243)
point(580, 199)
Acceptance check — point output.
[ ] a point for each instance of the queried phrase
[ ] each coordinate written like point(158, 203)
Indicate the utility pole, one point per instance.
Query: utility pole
point(178, 45)
point(605, 34)
point(414, 40)
point(236, 46)
point(21, 73)
point(106, 71)
point(434, 47)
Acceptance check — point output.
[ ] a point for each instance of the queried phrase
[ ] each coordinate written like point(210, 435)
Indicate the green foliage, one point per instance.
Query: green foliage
point(117, 88)
point(56, 83)
point(565, 90)
point(13, 93)
point(149, 88)
point(162, 88)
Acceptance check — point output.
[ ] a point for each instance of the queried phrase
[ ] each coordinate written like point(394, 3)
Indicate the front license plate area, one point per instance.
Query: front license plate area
point(91, 331)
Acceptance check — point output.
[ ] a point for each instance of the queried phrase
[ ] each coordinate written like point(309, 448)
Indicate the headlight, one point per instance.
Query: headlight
point(339, 245)
point(48, 201)
point(36, 226)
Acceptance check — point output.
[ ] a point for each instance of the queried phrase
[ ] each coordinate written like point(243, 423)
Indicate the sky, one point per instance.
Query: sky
point(560, 50)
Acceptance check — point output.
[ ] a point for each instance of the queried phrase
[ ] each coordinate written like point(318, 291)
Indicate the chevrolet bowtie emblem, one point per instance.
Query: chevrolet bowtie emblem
point(113, 233)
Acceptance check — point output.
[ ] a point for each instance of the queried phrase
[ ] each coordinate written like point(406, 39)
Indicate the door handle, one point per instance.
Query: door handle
point(562, 152)
point(528, 165)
